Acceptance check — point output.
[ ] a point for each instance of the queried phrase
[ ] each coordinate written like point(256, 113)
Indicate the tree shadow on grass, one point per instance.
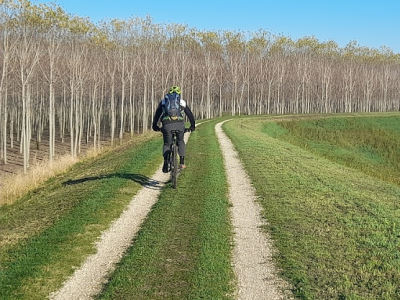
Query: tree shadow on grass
point(138, 178)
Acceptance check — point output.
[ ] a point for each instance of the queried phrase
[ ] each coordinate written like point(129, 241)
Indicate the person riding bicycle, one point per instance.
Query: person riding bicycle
point(172, 110)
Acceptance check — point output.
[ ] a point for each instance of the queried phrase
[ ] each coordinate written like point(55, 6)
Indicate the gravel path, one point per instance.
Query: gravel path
point(252, 259)
point(88, 280)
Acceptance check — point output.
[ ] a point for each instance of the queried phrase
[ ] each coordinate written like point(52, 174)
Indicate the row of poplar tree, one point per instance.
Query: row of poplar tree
point(66, 79)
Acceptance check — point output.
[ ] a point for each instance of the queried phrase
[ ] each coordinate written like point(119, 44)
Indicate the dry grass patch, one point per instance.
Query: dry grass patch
point(15, 186)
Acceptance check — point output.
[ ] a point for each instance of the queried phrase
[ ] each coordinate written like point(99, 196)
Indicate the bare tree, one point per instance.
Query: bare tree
point(61, 72)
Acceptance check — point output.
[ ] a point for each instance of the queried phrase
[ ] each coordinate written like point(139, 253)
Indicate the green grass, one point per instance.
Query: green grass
point(369, 144)
point(336, 229)
point(183, 250)
point(48, 232)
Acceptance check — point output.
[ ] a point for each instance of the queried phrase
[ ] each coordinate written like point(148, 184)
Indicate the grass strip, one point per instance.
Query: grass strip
point(56, 225)
point(183, 250)
point(335, 228)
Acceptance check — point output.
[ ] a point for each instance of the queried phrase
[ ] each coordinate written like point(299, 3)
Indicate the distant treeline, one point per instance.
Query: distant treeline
point(63, 76)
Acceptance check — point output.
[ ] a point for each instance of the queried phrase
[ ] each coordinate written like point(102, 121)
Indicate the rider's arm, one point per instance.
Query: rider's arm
point(157, 114)
point(189, 114)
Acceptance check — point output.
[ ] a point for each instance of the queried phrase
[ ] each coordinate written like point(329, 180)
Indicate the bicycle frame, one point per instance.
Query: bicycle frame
point(173, 158)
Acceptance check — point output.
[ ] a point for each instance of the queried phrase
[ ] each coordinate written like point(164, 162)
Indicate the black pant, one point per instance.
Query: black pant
point(166, 130)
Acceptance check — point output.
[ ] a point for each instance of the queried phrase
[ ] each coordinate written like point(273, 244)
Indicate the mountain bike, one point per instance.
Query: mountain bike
point(173, 158)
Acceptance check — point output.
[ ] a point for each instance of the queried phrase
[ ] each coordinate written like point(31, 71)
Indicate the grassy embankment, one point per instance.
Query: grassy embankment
point(51, 230)
point(334, 221)
point(183, 250)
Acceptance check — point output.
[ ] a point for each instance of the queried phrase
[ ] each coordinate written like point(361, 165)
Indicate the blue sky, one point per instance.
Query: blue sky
point(371, 23)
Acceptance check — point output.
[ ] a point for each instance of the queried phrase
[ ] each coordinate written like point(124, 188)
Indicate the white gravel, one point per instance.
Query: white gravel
point(88, 280)
point(252, 259)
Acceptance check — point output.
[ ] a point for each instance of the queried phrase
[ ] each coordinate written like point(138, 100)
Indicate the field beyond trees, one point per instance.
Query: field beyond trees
point(67, 80)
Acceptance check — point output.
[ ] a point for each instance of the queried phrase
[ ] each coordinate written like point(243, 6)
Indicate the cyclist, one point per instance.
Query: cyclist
point(172, 110)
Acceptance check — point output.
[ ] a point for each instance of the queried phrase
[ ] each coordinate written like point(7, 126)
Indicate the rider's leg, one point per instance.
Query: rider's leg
point(181, 147)
point(167, 136)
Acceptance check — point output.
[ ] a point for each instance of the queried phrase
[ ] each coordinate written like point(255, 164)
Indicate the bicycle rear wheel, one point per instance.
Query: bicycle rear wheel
point(174, 166)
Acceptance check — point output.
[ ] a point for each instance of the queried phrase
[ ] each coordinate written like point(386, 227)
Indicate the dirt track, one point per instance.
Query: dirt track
point(256, 274)
point(88, 280)
point(255, 271)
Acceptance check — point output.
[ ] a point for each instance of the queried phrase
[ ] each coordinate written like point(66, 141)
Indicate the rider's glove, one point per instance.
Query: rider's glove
point(192, 128)
point(155, 127)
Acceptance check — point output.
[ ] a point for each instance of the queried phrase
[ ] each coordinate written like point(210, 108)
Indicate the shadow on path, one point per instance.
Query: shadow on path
point(138, 178)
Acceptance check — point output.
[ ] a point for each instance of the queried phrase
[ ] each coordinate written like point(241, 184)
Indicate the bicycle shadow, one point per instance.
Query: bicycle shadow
point(138, 178)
